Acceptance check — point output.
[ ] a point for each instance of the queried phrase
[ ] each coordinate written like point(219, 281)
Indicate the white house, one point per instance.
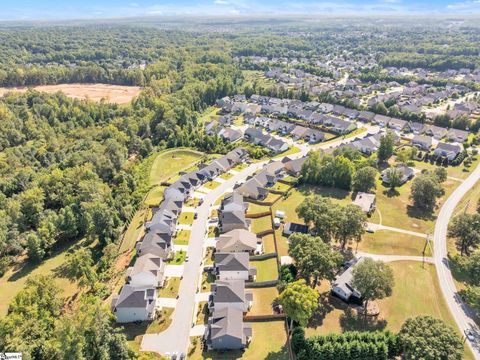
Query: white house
point(134, 303)
point(234, 266)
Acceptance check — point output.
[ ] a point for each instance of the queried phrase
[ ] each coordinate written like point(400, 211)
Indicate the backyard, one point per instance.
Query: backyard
point(266, 269)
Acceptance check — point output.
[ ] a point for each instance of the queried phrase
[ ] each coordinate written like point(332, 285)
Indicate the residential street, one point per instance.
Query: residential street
point(460, 311)
point(176, 338)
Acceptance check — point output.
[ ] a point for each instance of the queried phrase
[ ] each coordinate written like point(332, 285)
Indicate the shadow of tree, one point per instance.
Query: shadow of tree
point(391, 193)
point(324, 308)
point(350, 320)
point(335, 193)
point(416, 212)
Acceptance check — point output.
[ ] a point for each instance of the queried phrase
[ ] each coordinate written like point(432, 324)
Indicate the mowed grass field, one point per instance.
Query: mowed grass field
point(115, 94)
point(171, 162)
point(15, 278)
point(388, 242)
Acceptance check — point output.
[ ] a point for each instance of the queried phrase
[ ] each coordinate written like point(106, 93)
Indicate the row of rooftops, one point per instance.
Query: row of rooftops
point(147, 273)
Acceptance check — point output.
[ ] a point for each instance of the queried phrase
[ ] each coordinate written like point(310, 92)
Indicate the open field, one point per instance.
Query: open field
point(115, 94)
point(396, 209)
point(269, 342)
point(15, 278)
point(170, 162)
point(416, 292)
point(388, 242)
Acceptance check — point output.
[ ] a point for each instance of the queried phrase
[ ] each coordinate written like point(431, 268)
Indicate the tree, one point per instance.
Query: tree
point(35, 250)
point(350, 225)
point(314, 258)
point(404, 155)
point(364, 179)
point(425, 337)
point(373, 279)
point(472, 297)
point(320, 212)
point(465, 228)
point(385, 150)
point(425, 190)
point(299, 302)
point(79, 266)
point(441, 174)
point(394, 177)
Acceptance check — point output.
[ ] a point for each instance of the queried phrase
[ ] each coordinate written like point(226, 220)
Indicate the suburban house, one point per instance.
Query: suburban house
point(134, 303)
point(339, 126)
point(406, 174)
point(148, 270)
point(366, 116)
point(257, 137)
point(366, 202)
point(342, 288)
point(227, 331)
point(457, 135)
point(289, 228)
point(448, 151)
point(232, 219)
point(294, 167)
point(422, 142)
point(155, 243)
point(234, 266)
point(397, 124)
point(381, 120)
point(253, 189)
point(416, 127)
point(436, 131)
point(230, 293)
point(239, 240)
point(230, 135)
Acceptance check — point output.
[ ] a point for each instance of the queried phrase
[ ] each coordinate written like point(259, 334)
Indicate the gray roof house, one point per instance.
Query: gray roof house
point(422, 142)
point(227, 331)
point(230, 293)
point(457, 135)
point(156, 243)
point(148, 270)
point(366, 116)
point(446, 150)
point(234, 266)
point(381, 120)
point(230, 135)
point(416, 127)
point(397, 124)
point(134, 303)
point(366, 202)
point(294, 167)
point(436, 131)
point(339, 126)
point(239, 240)
point(406, 174)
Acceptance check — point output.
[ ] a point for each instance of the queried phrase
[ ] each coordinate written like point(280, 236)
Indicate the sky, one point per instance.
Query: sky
point(85, 9)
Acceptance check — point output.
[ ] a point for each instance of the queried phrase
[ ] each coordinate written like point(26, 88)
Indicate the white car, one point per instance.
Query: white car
point(470, 335)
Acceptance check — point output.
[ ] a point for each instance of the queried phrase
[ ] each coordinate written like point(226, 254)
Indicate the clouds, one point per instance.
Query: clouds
point(68, 9)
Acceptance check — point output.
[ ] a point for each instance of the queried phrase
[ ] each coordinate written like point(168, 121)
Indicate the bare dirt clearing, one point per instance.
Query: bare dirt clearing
point(117, 94)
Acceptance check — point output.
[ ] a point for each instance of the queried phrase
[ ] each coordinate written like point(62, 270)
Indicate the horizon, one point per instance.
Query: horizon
point(49, 10)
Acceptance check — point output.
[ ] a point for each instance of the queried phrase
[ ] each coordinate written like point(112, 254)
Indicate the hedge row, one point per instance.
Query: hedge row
point(347, 346)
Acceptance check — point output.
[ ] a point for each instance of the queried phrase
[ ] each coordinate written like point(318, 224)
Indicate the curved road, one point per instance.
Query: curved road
point(176, 338)
point(461, 313)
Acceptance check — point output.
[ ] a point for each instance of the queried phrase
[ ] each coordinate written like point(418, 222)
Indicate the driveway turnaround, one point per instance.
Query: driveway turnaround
point(176, 338)
point(462, 314)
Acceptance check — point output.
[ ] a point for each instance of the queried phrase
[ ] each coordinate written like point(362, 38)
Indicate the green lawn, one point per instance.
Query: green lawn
point(186, 218)
point(393, 243)
point(134, 231)
point(262, 300)
point(213, 231)
point(272, 197)
point(226, 176)
point(15, 278)
point(416, 292)
point(257, 209)
point(202, 313)
point(182, 237)
point(261, 224)
point(211, 184)
point(268, 244)
point(155, 196)
point(161, 322)
point(269, 342)
point(170, 162)
point(266, 269)
point(178, 258)
point(292, 150)
point(209, 256)
point(170, 290)
point(280, 187)
point(207, 280)
point(396, 210)
point(193, 202)
point(459, 171)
